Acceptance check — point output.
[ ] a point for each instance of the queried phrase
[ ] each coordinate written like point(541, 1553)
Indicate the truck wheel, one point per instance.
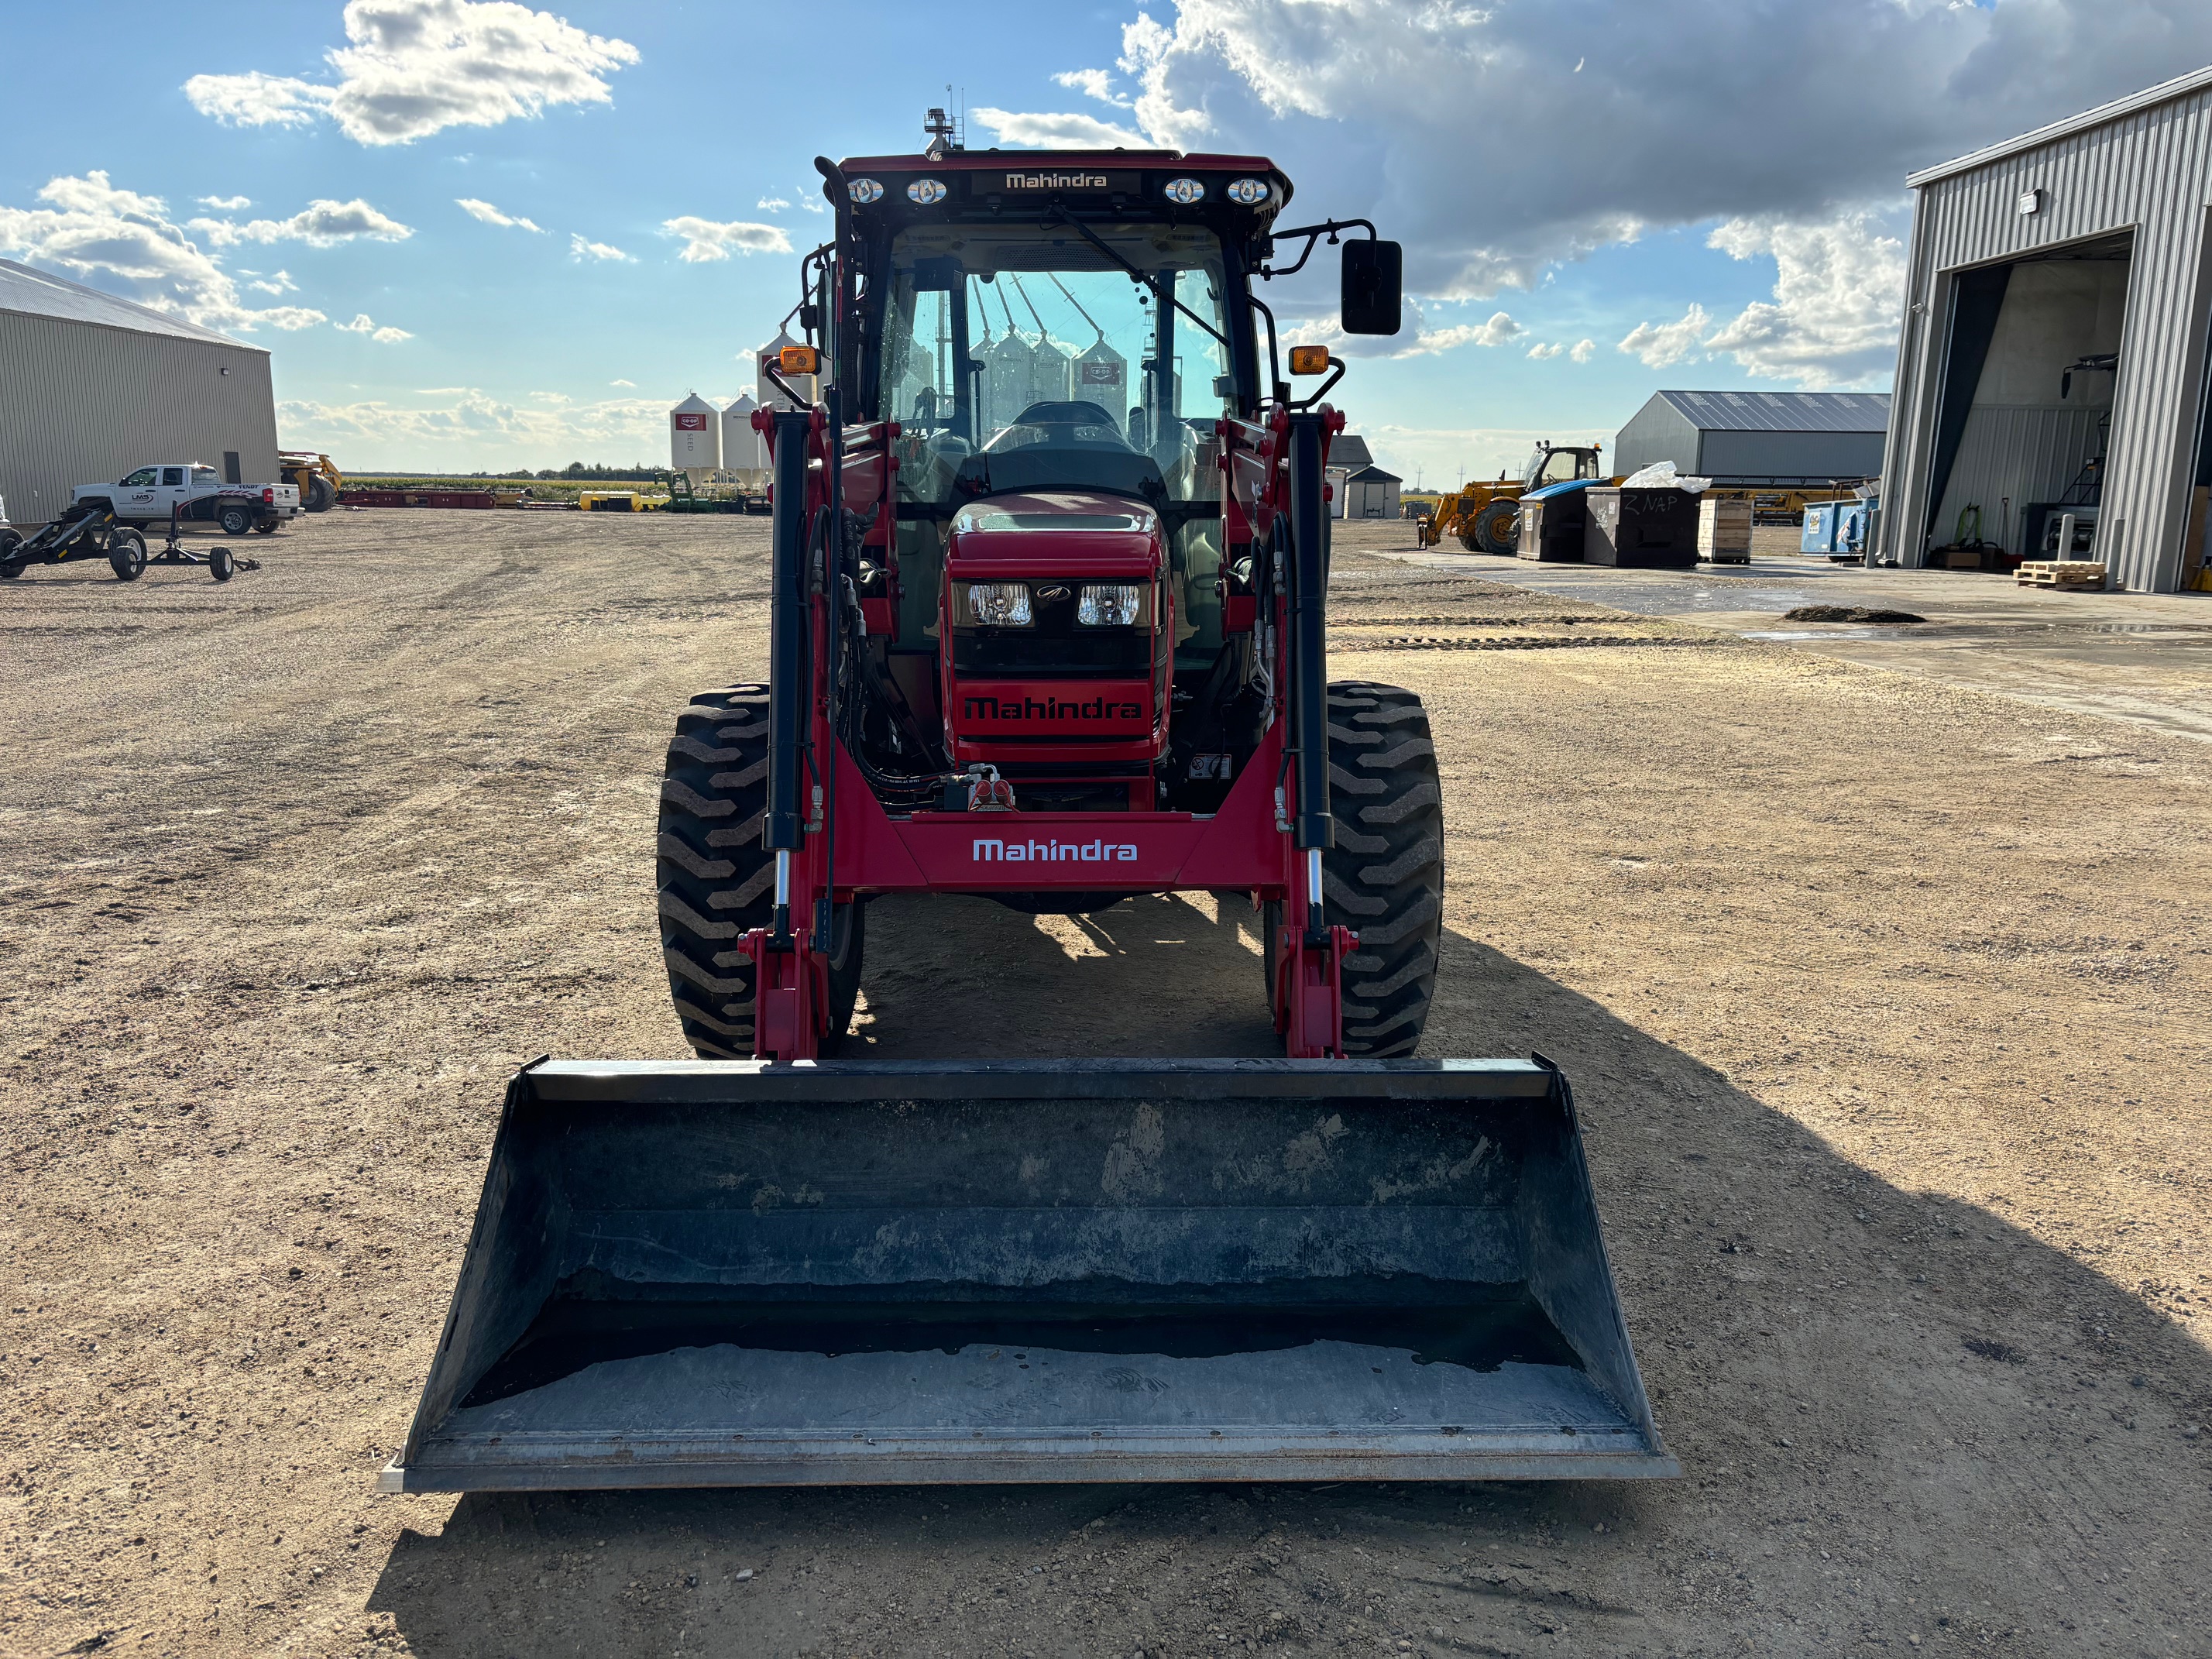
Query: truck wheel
point(1384, 879)
point(126, 555)
point(1498, 528)
point(235, 521)
point(321, 495)
point(267, 527)
point(716, 882)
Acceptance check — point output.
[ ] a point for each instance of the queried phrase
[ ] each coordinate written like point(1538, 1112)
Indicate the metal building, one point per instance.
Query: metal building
point(1780, 438)
point(2053, 356)
point(92, 387)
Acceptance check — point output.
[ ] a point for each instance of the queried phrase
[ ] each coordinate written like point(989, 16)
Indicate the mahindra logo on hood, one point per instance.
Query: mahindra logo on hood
point(982, 707)
point(988, 849)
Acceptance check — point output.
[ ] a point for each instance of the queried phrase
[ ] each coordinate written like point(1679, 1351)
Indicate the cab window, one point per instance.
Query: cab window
point(204, 475)
point(173, 475)
point(1561, 467)
point(140, 478)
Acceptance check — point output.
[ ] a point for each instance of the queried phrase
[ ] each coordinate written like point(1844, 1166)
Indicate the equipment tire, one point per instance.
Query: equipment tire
point(10, 566)
point(716, 882)
point(235, 521)
point(320, 495)
point(126, 555)
point(1384, 879)
point(220, 565)
point(1498, 528)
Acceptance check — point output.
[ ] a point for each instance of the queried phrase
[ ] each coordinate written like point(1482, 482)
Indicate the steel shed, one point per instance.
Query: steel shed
point(2054, 342)
point(92, 386)
point(1772, 438)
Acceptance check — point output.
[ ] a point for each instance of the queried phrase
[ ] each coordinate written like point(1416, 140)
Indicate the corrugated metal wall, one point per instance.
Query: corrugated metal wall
point(84, 403)
point(1814, 457)
point(1657, 432)
point(2027, 453)
point(2149, 171)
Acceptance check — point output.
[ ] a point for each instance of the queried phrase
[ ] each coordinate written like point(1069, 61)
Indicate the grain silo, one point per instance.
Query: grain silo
point(1101, 377)
point(744, 452)
point(695, 439)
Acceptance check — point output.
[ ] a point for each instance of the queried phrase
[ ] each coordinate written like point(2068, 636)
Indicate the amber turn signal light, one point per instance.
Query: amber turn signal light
point(1308, 360)
point(798, 360)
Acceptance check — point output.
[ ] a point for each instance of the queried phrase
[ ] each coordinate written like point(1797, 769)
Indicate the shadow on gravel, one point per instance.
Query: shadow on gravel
point(1900, 1416)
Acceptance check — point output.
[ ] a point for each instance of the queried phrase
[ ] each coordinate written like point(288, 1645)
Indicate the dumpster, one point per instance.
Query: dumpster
point(1652, 528)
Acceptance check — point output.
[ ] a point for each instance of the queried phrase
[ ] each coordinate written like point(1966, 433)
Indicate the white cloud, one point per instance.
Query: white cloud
point(491, 215)
point(1415, 339)
point(1343, 95)
point(1067, 132)
point(1497, 331)
point(281, 282)
point(1545, 353)
point(255, 100)
point(292, 319)
point(631, 383)
point(321, 223)
point(1661, 345)
point(580, 248)
point(772, 204)
point(709, 239)
point(415, 67)
point(363, 324)
point(1583, 352)
point(474, 428)
point(226, 203)
point(1093, 83)
point(1839, 289)
point(126, 243)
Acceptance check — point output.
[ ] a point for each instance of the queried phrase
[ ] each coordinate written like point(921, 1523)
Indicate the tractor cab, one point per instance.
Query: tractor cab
point(1551, 464)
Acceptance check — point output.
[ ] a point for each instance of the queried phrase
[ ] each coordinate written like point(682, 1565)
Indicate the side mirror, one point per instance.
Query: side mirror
point(1374, 277)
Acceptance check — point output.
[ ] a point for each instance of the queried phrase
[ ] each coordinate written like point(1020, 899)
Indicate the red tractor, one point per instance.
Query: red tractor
point(1046, 625)
point(1049, 625)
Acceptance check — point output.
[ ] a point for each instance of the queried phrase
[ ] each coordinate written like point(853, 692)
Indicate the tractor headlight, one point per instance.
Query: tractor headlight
point(1247, 193)
point(999, 604)
point(1111, 605)
point(925, 192)
point(1185, 190)
point(865, 190)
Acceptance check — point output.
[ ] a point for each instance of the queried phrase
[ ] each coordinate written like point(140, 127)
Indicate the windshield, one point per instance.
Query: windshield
point(1078, 374)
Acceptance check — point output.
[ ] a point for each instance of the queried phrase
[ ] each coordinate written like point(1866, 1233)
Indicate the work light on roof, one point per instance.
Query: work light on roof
point(1247, 193)
point(925, 192)
point(1185, 190)
point(865, 190)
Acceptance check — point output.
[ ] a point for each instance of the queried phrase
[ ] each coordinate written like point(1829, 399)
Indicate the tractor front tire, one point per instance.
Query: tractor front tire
point(319, 495)
point(1384, 879)
point(717, 883)
point(1498, 528)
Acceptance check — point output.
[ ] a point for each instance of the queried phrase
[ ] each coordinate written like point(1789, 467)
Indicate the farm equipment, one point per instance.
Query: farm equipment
point(314, 475)
point(1058, 661)
point(92, 532)
point(1485, 515)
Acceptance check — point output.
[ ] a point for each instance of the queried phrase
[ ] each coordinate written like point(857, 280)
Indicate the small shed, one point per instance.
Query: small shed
point(1766, 438)
point(1370, 493)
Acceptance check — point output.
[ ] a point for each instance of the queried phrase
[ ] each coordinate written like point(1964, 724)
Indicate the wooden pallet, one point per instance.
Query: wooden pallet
point(2062, 573)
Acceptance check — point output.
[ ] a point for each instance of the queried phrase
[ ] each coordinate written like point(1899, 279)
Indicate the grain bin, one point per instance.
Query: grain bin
point(695, 438)
point(744, 452)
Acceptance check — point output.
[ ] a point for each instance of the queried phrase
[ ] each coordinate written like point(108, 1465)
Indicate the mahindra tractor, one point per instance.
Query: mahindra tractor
point(1049, 577)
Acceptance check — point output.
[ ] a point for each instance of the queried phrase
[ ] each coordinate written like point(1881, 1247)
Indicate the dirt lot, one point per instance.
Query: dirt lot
point(1884, 1002)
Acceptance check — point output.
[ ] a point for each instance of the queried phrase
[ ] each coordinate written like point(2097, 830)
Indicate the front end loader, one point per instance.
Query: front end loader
point(1046, 626)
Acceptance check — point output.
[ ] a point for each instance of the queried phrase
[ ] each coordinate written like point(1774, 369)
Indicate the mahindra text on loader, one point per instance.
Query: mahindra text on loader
point(1049, 567)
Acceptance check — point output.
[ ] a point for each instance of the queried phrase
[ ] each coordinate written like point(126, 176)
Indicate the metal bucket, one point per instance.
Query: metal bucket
point(689, 1274)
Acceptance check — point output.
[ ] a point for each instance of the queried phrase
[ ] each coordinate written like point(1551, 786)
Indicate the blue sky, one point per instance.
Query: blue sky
point(1599, 198)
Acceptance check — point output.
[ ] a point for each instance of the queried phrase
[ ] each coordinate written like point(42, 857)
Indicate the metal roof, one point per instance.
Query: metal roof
point(1782, 411)
point(2164, 92)
point(40, 293)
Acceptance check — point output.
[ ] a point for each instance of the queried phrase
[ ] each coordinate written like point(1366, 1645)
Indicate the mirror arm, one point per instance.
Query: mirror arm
point(1313, 234)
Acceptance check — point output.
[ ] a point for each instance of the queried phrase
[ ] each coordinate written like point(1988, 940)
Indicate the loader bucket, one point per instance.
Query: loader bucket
point(701, 1273)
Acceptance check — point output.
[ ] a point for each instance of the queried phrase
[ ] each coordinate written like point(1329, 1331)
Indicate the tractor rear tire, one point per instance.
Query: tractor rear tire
point(1498, 528)
point(716, 882)
point(1384, 879)
point(319, 495)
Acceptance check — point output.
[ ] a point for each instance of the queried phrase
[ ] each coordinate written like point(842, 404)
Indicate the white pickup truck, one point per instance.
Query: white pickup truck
point(145, 497)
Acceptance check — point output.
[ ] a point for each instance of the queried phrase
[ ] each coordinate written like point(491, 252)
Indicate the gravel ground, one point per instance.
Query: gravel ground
point(1884, 1002)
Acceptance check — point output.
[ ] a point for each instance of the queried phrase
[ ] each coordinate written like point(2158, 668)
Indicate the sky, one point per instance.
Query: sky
point(488, 236)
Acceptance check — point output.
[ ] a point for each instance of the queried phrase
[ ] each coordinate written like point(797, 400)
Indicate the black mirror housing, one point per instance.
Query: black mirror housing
point(1373, 281)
